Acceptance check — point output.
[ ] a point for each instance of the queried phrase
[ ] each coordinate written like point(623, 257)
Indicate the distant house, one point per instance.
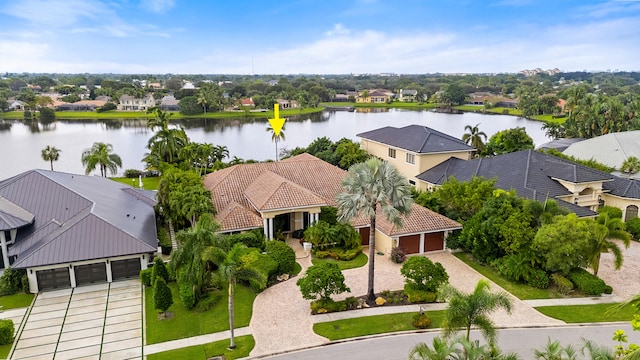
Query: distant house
point(340, 98)
point(130, 103)
point(288, 195)
point(188, 85)
point(247, 102)
point(539, 176)
point(610, 149)
point(374, 97)
point(16, 105)
point(287, 104)
point(169, 103)
point(408, 95)
point(155, 85)
point(69, 230)
point(413, 149)
point(82, 105)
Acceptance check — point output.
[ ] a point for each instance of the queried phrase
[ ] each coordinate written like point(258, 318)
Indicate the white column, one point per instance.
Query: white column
point(72, 276)
point(265, 227)
point(109, 275)
point(444, 243)
point(270, 229)
point(144, 262)
point(422, 243)
point(316, 217)
point(3, 244)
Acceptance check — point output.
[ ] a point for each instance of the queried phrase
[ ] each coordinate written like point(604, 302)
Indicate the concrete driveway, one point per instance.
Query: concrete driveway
point(91, 322)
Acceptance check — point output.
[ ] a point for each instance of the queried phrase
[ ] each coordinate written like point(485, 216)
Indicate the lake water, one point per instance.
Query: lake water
point(21, 144)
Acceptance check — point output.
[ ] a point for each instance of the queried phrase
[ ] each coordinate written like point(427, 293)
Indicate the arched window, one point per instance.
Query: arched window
point(631, 213)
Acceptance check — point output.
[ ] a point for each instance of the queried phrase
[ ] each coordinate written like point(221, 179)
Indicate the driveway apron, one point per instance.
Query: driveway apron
point(91, 322)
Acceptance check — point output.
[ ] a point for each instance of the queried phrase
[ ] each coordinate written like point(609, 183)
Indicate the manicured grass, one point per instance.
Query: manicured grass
point(244, 345)
point(148, 183)
point(4, 351)
point(188, 323)
point(296, 269)
point(588, 313)
point(550, 119)
point(15, 301)
point(393, 105)
point(519, 290)
point(357, 262)
point(370, 325)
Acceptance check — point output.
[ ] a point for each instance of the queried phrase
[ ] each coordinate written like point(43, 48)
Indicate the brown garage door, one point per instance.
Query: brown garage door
point(125, 269)
point(433, 241)
point(364, 234)
point(410, 244)
point(90, 274)
point(53, 279)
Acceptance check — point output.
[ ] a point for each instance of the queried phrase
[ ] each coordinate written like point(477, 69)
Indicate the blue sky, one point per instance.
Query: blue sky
point(317, 37)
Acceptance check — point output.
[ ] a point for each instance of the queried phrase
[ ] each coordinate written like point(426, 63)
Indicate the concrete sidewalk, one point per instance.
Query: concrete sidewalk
point(574, 301)
point(194, 340)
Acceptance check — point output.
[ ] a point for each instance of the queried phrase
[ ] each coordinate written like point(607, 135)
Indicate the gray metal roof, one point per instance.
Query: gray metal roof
point(559, 144)
point(416, 138)
point(13, 216)
point(78, 218)
point(533, 175)
point(611, 149)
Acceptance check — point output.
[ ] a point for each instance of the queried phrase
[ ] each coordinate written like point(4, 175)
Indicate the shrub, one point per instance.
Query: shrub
point(107, 107)
point(186, 296)
point(321, 254)
point(608, 290)
point(415, 295)
point(611, 211)
point(283, 254)
point(209, 301)
point(6, 331)
point(322, 306)
point(563, 284)
point(397, 255)
point(539, 279)
point(25, 283)
point(164, 240)
point(162, 298)
point(47, 115)
point(298, 234)
point(145, 277)
point(262, 264)
point(351, 302)
point(322, 280)
point(348, 254)
point(250, 239)
point(159, 270)
point(11, 281)
point(132, 173)
point(329, 214)
point(420, 320)
point(422, 274)
point(633, 227)
point(587, 282)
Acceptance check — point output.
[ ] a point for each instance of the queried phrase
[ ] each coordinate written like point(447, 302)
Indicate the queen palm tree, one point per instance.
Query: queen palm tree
point(467, 310)
point(630, 166)
point(555, 351)
point(51, 154)
point(441, 349)
point(607, 228)
point(473, 136)
point(276, 137)
point(371, 187)
point(101, 155)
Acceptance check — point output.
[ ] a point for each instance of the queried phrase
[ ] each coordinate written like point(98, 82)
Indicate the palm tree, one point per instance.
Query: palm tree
point(441, 350)
point(371, 187)
point(229, 264)
point(467, 310)
point(630, 166)
point(473, 136)
point(205, 97)
point(555, 351)
point(596, 351)
point(607, 228)
point(276, 137)
point(51, 154)
point(101, 154)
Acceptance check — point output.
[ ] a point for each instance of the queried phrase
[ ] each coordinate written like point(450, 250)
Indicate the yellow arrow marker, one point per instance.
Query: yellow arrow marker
point(276, 123)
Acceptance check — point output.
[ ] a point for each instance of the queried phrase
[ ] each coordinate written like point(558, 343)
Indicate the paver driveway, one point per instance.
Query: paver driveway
point(92, 322)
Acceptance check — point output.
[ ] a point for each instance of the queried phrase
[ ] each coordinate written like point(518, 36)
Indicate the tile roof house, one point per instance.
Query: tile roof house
point(539, 176)
point(130, 103)
point(69, 230)
point(610, 149)
point(291, 192)
point(413, 149)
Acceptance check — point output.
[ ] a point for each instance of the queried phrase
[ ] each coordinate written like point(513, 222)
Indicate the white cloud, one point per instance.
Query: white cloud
point(157, 6)
point(56, 13)
point(338, 29)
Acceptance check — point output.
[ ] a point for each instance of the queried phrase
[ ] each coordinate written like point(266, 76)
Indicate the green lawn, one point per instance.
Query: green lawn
point(15, 301)
point(148, 183)
point(357, 262)
point(587, 313)
point(370, 325)
point(244, 345)
point(4, 351)
point(519, 290)
point(393, 105)
point(188, 323)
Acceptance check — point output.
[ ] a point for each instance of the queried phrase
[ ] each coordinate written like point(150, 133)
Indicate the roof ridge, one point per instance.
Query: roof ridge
point(526, 171)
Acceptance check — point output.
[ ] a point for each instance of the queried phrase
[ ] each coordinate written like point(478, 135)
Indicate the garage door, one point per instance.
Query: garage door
point(90, 274)
point(434, 241)
point(410, 244)
point(53, 279)
point(124, 269)
point(364, 234)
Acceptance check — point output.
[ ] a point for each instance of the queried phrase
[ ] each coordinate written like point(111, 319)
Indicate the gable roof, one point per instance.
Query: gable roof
point(611, 149)
point(533, 175)
point(78, 218)
point(13, 216)
point(417, 139)
point(239, 192)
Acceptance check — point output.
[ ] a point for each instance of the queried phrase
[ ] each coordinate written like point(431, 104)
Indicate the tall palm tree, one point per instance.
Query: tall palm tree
point(467, 310)
point(630, 166)
point(205, 97)
point(101, 155)
point(607, 228)
point(159, 120)
point(276, 137)
point(371, 187)
point(473, 136)
point(51, 154)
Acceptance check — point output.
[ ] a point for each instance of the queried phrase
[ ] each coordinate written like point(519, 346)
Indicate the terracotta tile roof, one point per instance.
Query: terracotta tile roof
point(240, 191)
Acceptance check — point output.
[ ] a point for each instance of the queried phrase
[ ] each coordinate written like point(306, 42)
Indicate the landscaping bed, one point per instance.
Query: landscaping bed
point(384, 298)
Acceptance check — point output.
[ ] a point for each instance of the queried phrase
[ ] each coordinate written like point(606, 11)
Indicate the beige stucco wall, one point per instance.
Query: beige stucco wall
point(272, 214)
point(383, 242)
point(621, 203)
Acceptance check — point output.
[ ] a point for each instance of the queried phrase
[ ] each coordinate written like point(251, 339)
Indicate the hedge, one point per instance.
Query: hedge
point(283, 254)
point(6, 332)
point(587, 282)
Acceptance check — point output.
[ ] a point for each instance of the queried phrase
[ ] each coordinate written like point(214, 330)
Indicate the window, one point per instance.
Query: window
point(412, 182)
point(392, 153)
point(631, 213)
point(411, 158)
